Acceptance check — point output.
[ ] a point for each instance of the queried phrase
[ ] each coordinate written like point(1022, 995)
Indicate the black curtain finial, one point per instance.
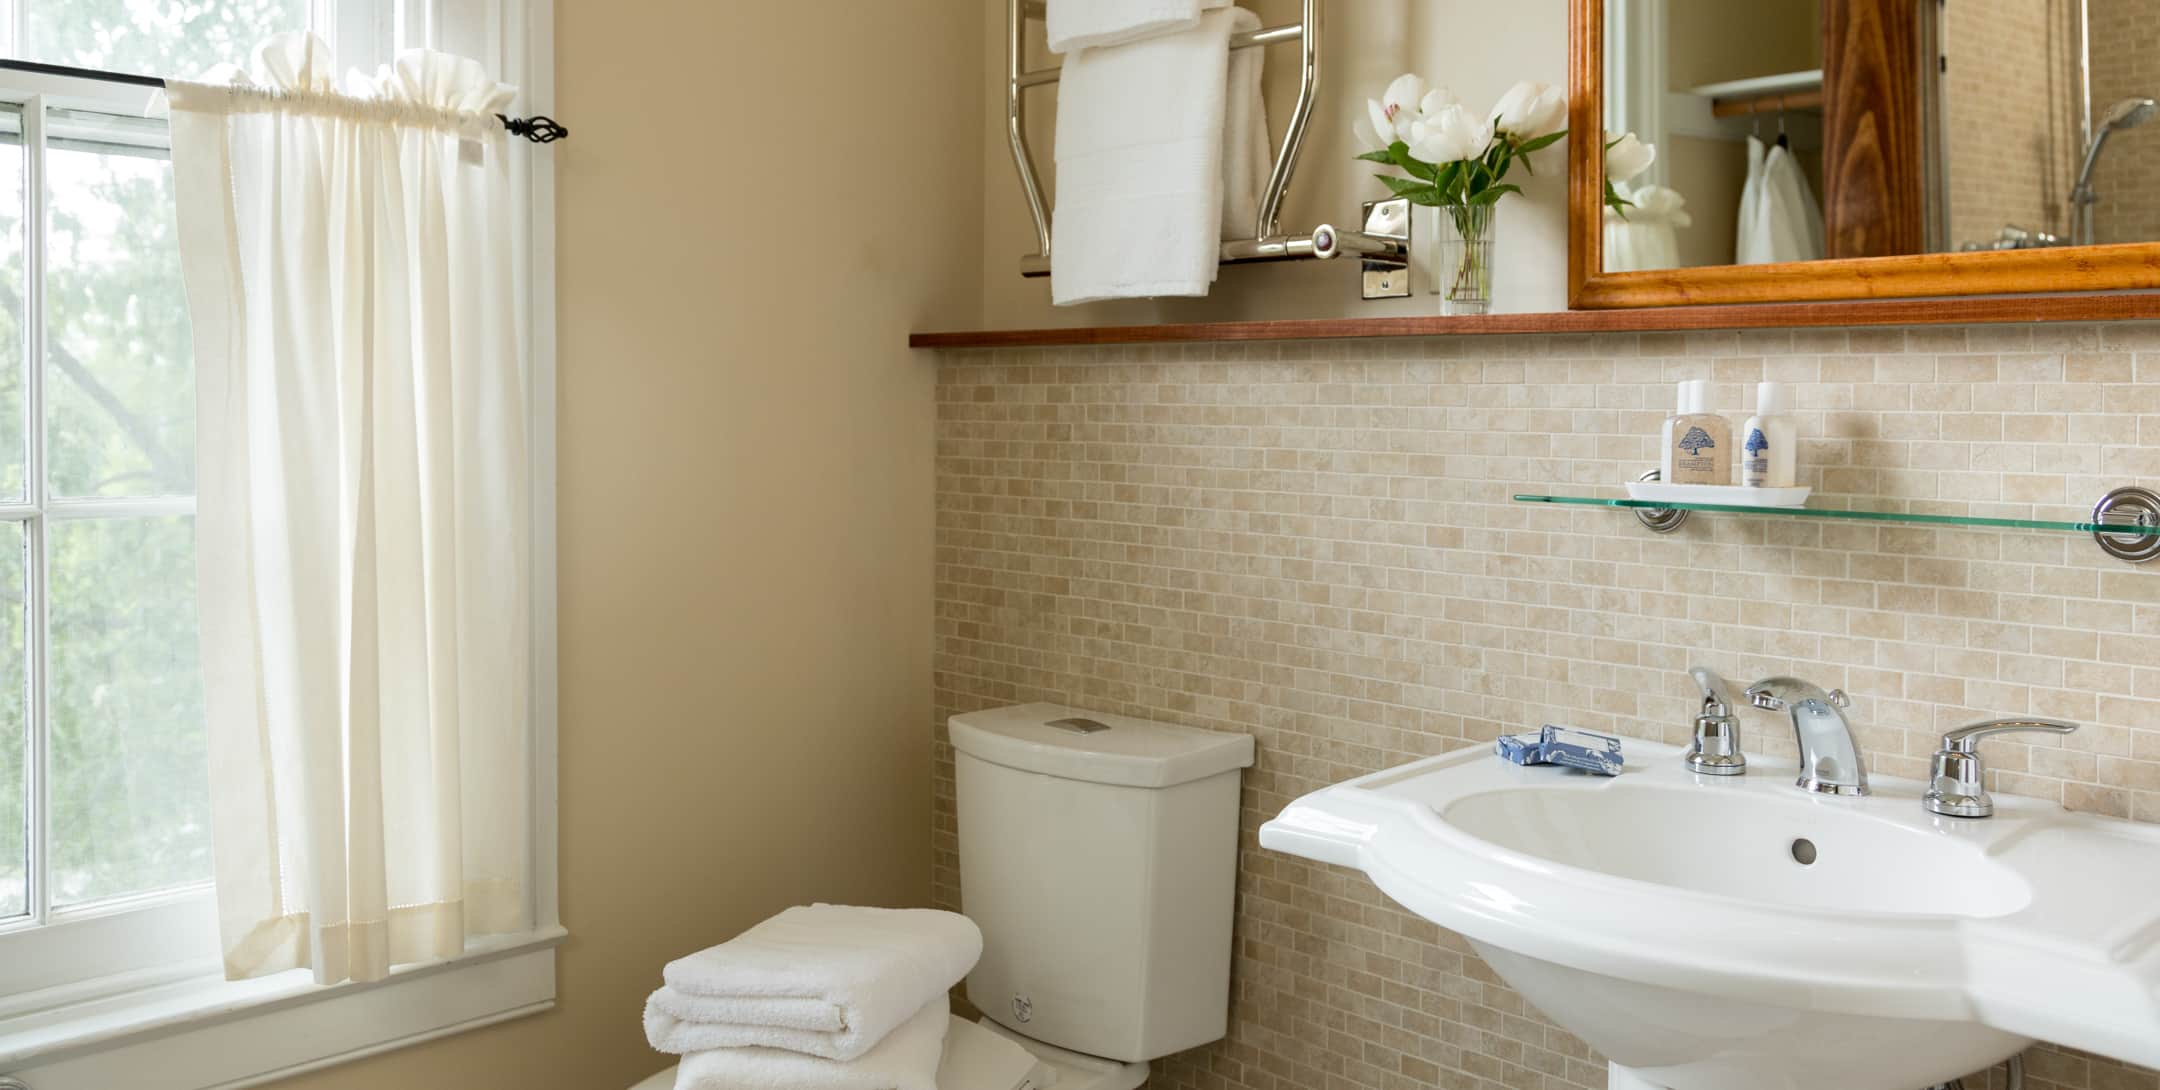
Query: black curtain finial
point(540, 129)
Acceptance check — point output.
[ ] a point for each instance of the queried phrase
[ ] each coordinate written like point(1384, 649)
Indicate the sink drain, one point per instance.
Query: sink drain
point(1803, 852)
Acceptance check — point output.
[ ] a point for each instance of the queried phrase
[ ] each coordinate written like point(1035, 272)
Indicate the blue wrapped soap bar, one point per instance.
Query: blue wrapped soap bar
point(1575, 748)
point(1522, 749)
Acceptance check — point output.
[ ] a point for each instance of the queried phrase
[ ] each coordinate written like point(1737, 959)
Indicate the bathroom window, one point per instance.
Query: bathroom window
point(104, 809)
point(176, 38)
point(108, 927)
point(165, 39)
point(105, 863)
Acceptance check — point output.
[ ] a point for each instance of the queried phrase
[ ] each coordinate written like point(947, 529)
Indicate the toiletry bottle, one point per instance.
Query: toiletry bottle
point(1766, 442)
point(1698, 442)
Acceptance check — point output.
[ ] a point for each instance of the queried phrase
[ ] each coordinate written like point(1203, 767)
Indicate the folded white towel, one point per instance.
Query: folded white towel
point(826, 980)
point(1247, 159)
point(1087, 24)
point(907, 1059)
point(1140, 166)
point(981, 1058)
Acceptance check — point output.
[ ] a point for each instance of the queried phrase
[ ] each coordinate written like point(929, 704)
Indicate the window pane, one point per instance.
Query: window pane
point(130, 774)
point(120, 379)
point(14, 739)
point(162, 39)
point(12, 430)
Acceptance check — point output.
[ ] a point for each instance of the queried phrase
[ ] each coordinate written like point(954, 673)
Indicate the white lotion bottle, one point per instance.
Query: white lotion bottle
point(1767, 442)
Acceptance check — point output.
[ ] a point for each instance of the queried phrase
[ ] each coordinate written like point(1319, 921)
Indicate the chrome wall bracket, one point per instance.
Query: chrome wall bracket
point(1387, 268)
point(2131, 506)
point(1659, 520)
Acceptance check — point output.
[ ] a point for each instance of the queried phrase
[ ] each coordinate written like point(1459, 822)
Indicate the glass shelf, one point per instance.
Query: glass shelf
point(2124, 529)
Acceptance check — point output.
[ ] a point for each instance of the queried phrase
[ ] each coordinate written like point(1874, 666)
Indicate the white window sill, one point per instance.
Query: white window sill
point(213, 1034)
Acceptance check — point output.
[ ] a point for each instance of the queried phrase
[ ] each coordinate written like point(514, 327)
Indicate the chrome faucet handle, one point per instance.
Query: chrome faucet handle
point(1714, 687)
point(1955, 779)
point(1716, 748)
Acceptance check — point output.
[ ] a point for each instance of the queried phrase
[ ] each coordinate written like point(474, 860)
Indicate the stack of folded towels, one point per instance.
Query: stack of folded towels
point(824, 997)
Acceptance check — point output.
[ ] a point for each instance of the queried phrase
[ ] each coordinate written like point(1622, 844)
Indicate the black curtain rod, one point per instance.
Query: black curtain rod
point(540, 129)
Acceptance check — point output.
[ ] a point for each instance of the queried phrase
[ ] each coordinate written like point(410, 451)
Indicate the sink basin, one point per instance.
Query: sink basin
point(1738, 934)
point(1857, 864)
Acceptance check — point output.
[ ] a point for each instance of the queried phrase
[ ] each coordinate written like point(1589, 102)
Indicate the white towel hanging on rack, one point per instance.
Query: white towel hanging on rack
point(1140, 160)
point(1091, 24)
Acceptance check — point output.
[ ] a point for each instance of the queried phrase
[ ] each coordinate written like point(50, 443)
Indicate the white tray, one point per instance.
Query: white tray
point(1730, 494)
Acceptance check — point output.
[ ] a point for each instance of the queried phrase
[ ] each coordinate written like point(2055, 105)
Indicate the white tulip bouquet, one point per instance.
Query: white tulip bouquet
point(1458, 161)
point(1456, 158)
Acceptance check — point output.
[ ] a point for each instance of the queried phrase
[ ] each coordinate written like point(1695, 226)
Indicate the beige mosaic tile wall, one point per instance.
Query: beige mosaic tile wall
point(2012, 105)
point(2125, 64)
point(1313, 543)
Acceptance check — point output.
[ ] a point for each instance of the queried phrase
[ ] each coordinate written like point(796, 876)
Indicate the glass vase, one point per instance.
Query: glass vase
point(1462, 271)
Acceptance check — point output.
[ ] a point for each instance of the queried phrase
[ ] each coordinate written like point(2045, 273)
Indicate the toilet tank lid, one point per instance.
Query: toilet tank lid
point(1096, 747)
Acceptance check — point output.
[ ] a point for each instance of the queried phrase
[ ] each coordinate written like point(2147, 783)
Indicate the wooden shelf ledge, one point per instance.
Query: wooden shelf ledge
point(1988, 310)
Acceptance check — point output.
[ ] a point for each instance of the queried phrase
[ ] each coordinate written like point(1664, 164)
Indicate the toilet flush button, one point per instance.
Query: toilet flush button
point(1080, 726)
point(1023, 1009)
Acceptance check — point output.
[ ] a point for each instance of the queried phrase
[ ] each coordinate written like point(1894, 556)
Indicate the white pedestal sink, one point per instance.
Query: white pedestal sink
point(1739, 934)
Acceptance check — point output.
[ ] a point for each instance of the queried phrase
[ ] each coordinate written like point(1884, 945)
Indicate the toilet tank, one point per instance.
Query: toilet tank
point(1098, 853)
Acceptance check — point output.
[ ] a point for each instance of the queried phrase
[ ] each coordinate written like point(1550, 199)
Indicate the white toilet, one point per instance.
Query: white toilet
point(1098, 854)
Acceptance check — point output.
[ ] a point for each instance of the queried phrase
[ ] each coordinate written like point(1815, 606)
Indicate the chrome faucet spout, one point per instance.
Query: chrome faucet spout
point(1830, 761)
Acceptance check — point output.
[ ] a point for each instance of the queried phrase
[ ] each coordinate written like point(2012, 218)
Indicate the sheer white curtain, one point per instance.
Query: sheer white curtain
point(363, 515)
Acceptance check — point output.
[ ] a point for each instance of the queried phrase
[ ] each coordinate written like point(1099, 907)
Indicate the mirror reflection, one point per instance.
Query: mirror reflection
point(1796, 130)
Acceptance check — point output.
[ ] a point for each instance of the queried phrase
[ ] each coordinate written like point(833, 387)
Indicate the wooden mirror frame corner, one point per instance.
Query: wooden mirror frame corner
point(2070, 269)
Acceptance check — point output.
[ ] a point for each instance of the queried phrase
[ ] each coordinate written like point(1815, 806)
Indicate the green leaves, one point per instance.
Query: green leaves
point(1539, 144)
point(1405, 187)
point(1468, 182)
point(1524, 149)
point(1399, 154)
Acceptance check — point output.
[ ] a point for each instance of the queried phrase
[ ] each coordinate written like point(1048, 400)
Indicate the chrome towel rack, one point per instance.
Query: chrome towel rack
point(1383, 242)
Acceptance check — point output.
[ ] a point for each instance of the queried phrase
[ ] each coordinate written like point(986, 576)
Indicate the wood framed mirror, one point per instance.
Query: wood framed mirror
point(1821, 150)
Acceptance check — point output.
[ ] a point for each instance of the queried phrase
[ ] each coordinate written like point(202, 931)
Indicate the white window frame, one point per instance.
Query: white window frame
point(157, 934)
point(131, 993)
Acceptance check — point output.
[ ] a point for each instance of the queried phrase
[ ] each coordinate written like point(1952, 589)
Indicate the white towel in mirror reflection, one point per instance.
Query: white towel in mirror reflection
point(1779, 219)
point(1648, 237)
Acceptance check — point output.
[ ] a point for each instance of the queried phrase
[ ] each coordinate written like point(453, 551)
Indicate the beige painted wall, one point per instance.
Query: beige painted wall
point(745, 654)
point(1712, 41)
point(1477, 51)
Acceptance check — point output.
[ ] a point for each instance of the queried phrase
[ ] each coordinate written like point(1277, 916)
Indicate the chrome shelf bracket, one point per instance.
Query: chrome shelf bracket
point(1660, 520)
point(2131, 506)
